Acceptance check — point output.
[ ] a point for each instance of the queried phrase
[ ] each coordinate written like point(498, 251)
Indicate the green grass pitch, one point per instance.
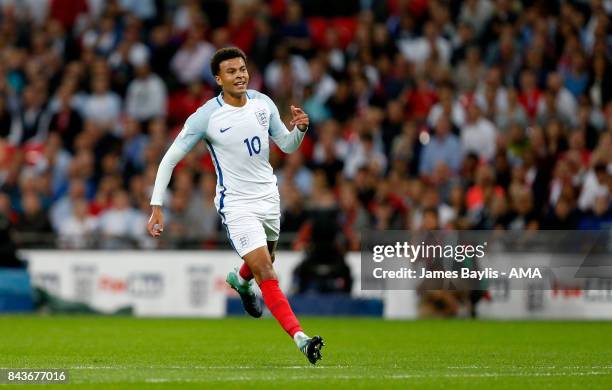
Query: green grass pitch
point(124, 352)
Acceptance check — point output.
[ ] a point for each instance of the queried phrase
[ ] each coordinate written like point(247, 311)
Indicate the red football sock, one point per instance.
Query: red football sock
point(245, 272)
point(278, 305)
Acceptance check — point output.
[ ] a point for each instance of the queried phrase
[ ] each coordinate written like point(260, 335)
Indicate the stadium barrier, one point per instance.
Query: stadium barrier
point(192, 283)
point(15, 291)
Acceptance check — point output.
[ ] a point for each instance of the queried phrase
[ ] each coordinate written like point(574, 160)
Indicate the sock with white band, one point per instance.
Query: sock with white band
point(300, 338)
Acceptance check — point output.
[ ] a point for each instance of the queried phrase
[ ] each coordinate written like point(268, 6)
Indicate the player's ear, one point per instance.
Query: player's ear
point(218, 80)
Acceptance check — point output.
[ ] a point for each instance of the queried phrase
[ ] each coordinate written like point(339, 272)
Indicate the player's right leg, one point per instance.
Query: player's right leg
point(260, 263)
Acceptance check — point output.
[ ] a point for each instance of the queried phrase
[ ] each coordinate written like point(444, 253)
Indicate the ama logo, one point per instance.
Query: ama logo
point(525, 273)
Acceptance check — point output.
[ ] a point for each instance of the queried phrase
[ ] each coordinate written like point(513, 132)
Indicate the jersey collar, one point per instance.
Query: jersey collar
point(222, 103)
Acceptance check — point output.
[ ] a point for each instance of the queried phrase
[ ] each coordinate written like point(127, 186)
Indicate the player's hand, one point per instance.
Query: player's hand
point(300, 118)
point(155, 227)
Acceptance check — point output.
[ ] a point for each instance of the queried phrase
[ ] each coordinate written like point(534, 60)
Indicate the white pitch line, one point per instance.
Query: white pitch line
point(242, 378)
point(304, 367)
point(338, 376)
point(194, 367)
point(538, 367)
point(399, 377)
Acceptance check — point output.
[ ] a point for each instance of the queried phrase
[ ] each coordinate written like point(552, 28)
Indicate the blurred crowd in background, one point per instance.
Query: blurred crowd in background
point(425, 114)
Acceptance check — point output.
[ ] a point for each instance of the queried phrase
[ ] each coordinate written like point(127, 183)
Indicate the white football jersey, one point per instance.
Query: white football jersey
point(238, 141)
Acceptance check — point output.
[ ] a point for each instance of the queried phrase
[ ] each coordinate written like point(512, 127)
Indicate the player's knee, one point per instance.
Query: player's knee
point(264, 271)
point(273, 256)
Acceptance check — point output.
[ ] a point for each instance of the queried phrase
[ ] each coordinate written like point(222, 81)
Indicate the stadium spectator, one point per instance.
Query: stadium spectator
point(7, 120)
point(66, 121)
point(33, 122)
point(530, 93)
point(478, 135)
point(353, 217)
point(524, 214)
point(420, 49)
point(421, 99)
point(403, 145)
point(295, 30)
point(600, 217)
point(146, 95)
point(78, 229)
point(342, 103)
point(294, 214)
point(295, 172)
point(601, 77)
point(365, 153)
point(8, 249)
point(514, 113)
point(491, 95)
point(477, 13)
point(447, 105)
point(33, 219)
point(595, 185)
point(191, 58)
point(134, 144)
point(121, 221)
point(430, 200)
point(558, 101)
point(470, 71)
point(443, 147)
point(63, 208)
point(103, 38)
point(102, 107)
point(182, 226)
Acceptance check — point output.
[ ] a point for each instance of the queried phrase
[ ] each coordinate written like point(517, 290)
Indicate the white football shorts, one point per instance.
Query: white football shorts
point(249, 229)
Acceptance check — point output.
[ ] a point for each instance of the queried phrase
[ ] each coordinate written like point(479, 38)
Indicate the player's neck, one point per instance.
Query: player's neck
point(234, 100)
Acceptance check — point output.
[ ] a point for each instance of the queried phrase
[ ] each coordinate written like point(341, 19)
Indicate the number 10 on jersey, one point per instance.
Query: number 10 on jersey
point(253, 145)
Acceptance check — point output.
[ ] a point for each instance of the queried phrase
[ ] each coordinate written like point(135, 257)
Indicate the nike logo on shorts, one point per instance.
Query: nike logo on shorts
point(224, 130)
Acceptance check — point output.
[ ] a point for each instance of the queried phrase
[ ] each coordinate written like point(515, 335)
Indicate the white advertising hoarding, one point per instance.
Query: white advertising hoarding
point(161, 283)
point(192, 283)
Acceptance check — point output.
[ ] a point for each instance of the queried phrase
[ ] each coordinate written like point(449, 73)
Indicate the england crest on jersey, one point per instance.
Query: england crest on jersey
point(262, 118)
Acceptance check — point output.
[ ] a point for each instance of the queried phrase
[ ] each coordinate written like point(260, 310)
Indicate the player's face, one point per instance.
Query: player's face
point(233, 76)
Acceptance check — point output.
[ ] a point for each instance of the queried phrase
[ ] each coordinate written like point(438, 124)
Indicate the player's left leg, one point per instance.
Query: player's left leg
point(240, 280)
point(246, 233)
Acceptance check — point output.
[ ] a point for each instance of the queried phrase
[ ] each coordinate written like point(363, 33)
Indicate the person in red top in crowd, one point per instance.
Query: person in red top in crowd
point(67, 11)
point(420, 100)
point(530, 93)
point(185, 101)
point(241, 28)
point(485, 185)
